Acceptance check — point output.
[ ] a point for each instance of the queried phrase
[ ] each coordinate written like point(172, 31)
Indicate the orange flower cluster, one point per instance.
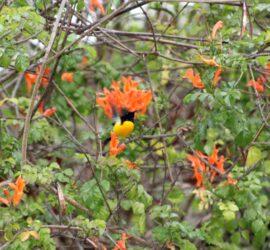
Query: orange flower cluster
point(131, 165)
point(212, 62)
point(130, 98)
point(201, 169)
point(18, 188)
point(31, 79)
point(67, 76)
point(95, 4)
point(48, 112)
point(196, 79)
point(114, 148)
point(121, 244)
point(259, 83)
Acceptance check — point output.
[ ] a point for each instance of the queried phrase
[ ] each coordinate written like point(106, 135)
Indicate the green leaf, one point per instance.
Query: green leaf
point(68, 172)
point(212, 134)
point(208, 148)
point(228, 215)
point(245, 235)
point(236, 238)
point(250, 214)
point(126, 204)
point(243, 138)
point(254, 155)
point(105, 185)
point(80, 5)
point(54, 165)
point(232, 206)
point(188, 99)
point(71, 37)
point(227, 101)
point(203, 97)
point(163, 212)
point(4, 61)
point(21, 2)
point(175, 196)
point(267, 36)
point(22, 62)
point(260, 238)
point(100, 225)
point(257, 226)
point(266, 165)
point(29, 173)
point(187, 245)
point(160, 234)
point(138, 208)
point(139, 221)
point(92, 52)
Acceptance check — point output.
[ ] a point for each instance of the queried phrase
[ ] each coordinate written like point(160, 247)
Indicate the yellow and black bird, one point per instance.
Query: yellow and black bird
point(123, 126)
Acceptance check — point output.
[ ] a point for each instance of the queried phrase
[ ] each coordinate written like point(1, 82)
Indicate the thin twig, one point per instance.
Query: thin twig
point(38, 83)
point(164, 152)
point(70, 201)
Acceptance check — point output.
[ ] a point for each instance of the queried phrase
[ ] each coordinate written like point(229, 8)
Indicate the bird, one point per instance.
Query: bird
point(123, 126)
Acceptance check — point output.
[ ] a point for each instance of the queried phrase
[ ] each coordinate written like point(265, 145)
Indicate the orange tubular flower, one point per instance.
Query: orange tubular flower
point(95, 4)
point(114, 148)
point(230, 180)
point(259, 84)
point(45, 77)
point(210, 62)
point(216, 27)
point(6, 201)
point(18, 188)
point(201, 169)
point(198, 168)
point(131, 165)
point(219, 164)
point(84, 60)
point(49, 112)
point(68, 76)
point(41, 106)
point(31, 79)
point(121, 244)
point(195, 79)
point(213, 158)
point(129, 99)
point(268, 67)
point(217, 77)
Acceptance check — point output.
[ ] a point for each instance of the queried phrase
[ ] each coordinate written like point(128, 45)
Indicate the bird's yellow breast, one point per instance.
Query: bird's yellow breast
point(124, 129)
